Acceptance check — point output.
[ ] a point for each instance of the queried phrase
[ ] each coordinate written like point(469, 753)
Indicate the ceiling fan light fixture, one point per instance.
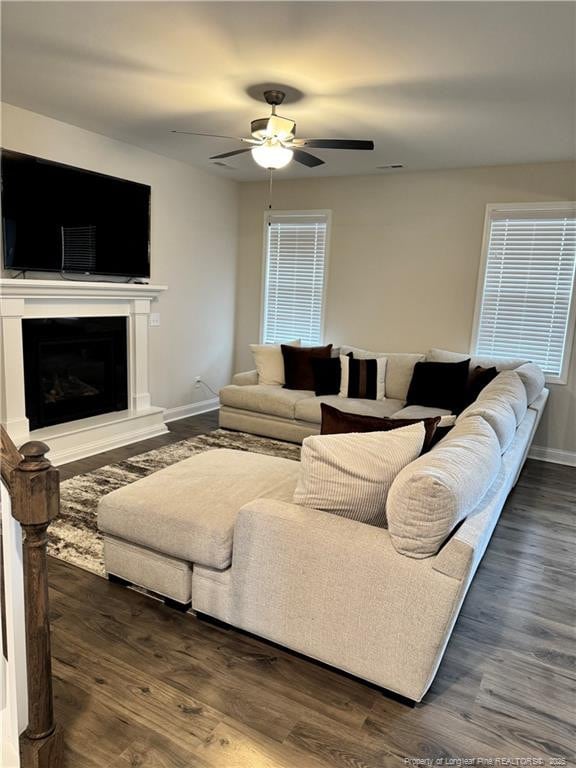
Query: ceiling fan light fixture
point(272, 155)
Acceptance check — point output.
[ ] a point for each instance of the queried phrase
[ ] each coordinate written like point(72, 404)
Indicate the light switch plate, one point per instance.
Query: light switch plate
point(154, 319)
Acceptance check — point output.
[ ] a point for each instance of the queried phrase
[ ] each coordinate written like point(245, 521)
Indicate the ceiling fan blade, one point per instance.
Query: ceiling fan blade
point(230, 154)
point(305, 158)
point(219, 136)
point(334, 143)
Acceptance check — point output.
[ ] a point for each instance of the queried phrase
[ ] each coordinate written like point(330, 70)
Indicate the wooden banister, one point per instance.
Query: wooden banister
point(34, 486)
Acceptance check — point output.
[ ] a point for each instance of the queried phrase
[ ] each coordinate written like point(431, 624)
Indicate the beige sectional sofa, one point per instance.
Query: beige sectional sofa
point(220, 531)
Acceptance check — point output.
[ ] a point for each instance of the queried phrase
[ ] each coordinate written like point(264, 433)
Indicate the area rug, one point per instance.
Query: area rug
point(74, 537)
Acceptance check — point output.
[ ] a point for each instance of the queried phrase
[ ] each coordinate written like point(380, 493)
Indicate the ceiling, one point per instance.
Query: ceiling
point(435, 84)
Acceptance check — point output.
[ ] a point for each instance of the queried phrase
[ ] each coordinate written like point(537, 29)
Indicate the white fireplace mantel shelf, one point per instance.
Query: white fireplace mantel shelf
point(22, 299)
point(56, 289)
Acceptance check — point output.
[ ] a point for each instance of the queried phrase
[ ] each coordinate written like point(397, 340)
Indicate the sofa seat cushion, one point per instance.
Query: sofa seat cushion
point(309, 409)
point(447, 418)
point(264, 398)
point(188, 510)
point(433, 494)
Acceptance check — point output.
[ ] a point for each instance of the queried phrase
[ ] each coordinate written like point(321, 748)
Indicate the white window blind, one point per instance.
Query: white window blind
point(526, 302)
point(295, 274)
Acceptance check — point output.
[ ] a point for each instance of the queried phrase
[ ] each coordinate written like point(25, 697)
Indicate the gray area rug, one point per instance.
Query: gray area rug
point(74, 537)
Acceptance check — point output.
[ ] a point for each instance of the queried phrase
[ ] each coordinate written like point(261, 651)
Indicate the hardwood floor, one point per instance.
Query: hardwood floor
point(138, 684)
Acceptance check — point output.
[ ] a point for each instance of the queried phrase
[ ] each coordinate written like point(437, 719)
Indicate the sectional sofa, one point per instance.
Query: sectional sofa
point(220, 531)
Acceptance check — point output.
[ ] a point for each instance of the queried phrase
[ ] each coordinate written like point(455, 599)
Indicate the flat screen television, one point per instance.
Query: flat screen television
point(57, 218)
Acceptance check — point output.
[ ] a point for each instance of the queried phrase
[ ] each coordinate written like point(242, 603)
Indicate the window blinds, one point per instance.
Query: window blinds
point(528, 287)
point(294, 278)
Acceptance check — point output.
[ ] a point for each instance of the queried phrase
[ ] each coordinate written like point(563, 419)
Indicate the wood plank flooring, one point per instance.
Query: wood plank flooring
point(138, 684)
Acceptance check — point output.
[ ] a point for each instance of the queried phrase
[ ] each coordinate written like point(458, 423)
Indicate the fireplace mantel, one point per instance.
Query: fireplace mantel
point(21, 299)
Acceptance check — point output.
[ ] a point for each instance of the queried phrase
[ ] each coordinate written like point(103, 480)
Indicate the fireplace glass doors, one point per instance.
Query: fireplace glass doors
point(74, 367)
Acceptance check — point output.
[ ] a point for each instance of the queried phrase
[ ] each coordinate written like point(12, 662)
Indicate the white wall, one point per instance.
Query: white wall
point(404, 259)
point(193, 249)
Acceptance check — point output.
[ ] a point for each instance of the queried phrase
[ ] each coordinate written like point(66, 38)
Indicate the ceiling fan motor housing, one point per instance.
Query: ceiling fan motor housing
point(273, 126)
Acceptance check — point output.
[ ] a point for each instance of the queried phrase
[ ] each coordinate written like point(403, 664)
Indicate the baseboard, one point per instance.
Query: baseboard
point(192, 409)
point(553, 455)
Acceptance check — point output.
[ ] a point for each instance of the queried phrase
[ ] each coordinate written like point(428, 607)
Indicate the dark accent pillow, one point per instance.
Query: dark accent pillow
point(335, 422)
point(477, 380)
point(439, 385)
point(363, 378)
point(298, 372)
point(327, 374)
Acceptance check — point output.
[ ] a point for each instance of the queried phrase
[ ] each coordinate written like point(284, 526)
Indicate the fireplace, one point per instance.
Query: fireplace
point(74, 368)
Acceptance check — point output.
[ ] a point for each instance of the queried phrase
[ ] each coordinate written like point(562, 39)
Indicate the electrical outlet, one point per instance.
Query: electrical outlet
point(154, 319)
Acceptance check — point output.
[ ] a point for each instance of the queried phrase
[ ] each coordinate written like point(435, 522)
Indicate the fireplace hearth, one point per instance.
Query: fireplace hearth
point(74, 368)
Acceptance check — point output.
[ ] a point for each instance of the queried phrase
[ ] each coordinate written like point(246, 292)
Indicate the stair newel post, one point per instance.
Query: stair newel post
point(35, 490)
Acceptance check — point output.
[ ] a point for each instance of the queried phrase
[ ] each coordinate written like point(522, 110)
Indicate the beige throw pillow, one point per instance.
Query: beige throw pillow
point(269, 362)
point(350, 474)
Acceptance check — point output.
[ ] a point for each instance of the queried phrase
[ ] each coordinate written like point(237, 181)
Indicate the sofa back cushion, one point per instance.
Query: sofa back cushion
point(350, 475)
point(430, 496)
point(507, 386)
point(269, 362)
point(498, 412)
point(533, 379)
point(399, 369)
point(436, 355)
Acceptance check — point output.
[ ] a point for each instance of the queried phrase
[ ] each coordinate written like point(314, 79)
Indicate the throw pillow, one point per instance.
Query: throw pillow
point(349, 475)
point(363, 378)
point(270, 363)
point(439, 385)
point(477, 380)
point(298, 372)
point(327, 375)
point(335, 422)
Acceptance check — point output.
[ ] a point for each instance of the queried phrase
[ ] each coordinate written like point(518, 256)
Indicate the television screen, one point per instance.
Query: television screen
point(62, 219)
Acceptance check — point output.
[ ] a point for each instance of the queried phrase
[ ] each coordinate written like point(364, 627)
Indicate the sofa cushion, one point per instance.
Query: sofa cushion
point(365, 378)
point(433, 494)
point(188, 510)
point(435, 355)
point(263, 398)
point(298, 371)
point(399, 369)
point(270, 363)
point(498, 413)
point(309, 409)
point(448, 419)
point(439, 385)
point(349, 475)
point(533, 379)
point(337, 422)
point(508, 386)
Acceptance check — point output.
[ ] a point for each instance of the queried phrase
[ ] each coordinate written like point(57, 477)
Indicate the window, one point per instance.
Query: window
point(295, 276)
point(526, 288)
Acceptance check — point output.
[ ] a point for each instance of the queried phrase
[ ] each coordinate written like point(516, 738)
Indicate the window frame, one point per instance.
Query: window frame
point(560, 206)
point(312, 212)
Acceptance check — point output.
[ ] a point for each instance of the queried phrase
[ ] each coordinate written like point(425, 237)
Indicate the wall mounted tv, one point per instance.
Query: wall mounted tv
point(57, 218)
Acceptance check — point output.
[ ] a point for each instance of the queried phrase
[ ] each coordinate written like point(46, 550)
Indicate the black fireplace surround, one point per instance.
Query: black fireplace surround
point(74, 367)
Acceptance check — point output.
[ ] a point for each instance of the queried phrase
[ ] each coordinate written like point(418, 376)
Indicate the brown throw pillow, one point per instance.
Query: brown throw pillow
point(335, 422)
point(477, 380)
point(298, 371)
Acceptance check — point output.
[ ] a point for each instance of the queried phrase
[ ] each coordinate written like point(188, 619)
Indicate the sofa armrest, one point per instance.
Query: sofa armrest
point(337, 590)
point(245, 378)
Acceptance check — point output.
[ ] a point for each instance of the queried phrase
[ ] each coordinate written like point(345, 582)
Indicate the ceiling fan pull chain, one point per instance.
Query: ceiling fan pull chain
point(270, 193)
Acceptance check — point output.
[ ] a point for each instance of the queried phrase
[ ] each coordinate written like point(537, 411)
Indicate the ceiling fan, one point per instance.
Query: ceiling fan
point(274, 142)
